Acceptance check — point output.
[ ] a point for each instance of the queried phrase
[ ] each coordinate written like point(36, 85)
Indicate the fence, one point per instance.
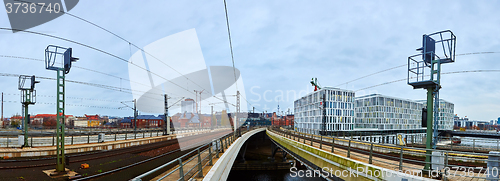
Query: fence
point(445, 164)
point(192, 164)
point(84, 137)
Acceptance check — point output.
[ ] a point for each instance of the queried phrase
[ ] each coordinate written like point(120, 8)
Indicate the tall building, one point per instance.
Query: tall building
point(380, 112)
point(187, 105)
point(339, 111)
point(446, 114)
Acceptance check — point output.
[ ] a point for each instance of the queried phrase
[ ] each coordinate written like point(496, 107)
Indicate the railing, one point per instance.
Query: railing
point(84, 137)
point(192, 164)
point(446, 164)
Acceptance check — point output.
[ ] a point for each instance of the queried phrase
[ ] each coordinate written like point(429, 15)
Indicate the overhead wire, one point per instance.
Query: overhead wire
point(96, 49)
point(118, 36)
point(404, 65)
point(230, 45)
point(86, 83)
point(87, 69)
point(455, 72)
point(68, 104)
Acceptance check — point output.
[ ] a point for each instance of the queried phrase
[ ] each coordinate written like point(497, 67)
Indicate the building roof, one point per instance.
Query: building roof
point(148, 117)
point(380, 95)
point(328, 88)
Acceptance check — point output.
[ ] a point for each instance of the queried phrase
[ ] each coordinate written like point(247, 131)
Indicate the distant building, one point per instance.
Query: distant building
point(339, 111)
point(148, 121)
point(380, 112)
point(446, 114)
point(188, 105)
point(498, 121)
point(126, 122)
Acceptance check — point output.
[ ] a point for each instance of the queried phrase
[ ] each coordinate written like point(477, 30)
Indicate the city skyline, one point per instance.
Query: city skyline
point(278, 47)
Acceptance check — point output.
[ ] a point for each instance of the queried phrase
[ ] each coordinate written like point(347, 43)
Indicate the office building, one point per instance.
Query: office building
point(339, 111)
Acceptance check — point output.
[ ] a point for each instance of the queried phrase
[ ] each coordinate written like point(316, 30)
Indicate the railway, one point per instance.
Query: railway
point(390, 155)
point(117, 164)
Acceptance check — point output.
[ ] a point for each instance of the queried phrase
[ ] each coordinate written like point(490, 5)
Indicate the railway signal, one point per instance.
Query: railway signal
point(28, 96)
point(426, 69)
point(59, 59)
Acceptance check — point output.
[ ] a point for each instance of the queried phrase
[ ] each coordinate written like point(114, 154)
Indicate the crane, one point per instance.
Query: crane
point(315, 83)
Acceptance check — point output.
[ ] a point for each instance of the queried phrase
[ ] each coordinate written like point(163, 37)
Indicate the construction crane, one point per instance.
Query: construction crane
point(315, 83)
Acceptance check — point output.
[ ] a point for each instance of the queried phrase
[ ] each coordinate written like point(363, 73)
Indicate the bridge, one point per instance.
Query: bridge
point(340, 158)
point(212, 155)
point(471, 134)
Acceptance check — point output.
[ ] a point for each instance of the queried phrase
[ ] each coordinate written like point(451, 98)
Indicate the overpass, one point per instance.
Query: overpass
point(333, 158)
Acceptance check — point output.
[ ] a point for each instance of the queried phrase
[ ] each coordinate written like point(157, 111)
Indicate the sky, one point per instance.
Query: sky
point(278, 47)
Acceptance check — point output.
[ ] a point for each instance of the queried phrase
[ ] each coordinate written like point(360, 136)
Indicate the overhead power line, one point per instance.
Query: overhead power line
point(230, 45)
point(83, 68)
point(404, 65)
point(455, 72)
point(118, 36)
point(74, 105)
point(96, 49)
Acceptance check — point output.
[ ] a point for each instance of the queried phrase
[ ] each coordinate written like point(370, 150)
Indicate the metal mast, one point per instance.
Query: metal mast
point(2, 109)
point(135, 115)
point(429, 62)
point(237, 110)
point(166, 120)
point(52, 53)
point(323, 126)
point(28, 96)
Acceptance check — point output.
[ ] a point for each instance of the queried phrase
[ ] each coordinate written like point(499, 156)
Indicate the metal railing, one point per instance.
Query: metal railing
point(84, 137)
point(192, 164)
point(447, 164)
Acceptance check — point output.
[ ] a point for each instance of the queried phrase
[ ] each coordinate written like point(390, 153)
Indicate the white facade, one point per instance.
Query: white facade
point(339, 111)
point(446, 114)
point(187, 105)
point(380, 112)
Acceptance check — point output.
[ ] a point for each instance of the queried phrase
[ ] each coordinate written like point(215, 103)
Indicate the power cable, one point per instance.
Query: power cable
point(96, 49)
point(114, 34)
point(404, 65)
point(230, 45)
point(66, 104)
point(91, 70)
point(455, 72)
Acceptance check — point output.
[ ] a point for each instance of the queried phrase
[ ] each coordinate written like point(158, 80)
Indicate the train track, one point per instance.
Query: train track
point(131, 171)
point(391, 156)
point(75, 158)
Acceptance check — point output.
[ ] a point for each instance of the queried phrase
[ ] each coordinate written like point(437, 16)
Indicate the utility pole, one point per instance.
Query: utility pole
point(212, 118)
point(51, 53)
point(166, 120)
point(430, 62)
point(323, 126)
point(198, 92)
point(236, 125)
point(135, 115)
point(2, 109)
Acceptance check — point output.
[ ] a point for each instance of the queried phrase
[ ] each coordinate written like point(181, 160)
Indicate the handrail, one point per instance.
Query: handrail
point(452, 160)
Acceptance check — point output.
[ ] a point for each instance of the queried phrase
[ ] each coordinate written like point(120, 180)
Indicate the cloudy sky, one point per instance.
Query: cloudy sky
point(278, 47)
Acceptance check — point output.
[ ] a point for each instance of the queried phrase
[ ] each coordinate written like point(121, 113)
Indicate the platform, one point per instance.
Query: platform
point(69, 149)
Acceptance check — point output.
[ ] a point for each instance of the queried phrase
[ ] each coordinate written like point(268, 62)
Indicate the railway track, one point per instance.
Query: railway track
point(392, 156)
point(76, 158)
point(130, 171)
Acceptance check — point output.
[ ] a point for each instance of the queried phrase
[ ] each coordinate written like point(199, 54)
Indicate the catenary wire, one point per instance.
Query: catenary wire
point(116, 35)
